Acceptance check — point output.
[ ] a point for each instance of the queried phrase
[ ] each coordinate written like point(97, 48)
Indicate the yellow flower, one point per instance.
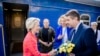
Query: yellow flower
point(66, 47)
point(70, 47)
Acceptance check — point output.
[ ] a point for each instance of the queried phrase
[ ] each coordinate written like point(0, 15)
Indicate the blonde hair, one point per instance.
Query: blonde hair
point(30, 22)
point(60, 19)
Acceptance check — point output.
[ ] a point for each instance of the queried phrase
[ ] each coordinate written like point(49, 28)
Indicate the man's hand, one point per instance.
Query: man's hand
point(46, 44)
point(49, 44)
point(71, 54)
point(53, 52)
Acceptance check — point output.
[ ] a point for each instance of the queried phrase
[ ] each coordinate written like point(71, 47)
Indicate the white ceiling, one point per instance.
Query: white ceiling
point(88, 2)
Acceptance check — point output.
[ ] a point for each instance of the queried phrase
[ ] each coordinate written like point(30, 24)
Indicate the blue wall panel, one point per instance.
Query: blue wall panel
point(59, 4)
point(46, 12)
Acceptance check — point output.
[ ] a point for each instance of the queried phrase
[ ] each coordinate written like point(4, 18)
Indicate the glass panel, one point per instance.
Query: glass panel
point(98, 23)
point(17, 26)
point(87, 23)
point(84, 17)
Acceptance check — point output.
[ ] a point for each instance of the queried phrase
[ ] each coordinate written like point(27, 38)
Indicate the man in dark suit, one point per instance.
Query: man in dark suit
point(94, 27)
point(97, 35)
point(84, 39)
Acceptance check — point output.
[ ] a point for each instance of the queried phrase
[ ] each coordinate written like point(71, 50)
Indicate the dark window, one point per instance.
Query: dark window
point(98, 23)
point(85, 18)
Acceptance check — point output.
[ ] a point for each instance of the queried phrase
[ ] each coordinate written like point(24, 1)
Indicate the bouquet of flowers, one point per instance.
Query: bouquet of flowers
point(66, 47)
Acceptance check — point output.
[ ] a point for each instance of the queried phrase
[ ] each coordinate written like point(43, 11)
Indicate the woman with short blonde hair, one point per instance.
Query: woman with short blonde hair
point(30, 22)
point(62, 34)
point(30, 47)
point(61, 19)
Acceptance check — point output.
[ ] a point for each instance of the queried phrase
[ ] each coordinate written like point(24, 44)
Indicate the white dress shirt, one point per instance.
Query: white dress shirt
point(98, 36)
point(64, 32)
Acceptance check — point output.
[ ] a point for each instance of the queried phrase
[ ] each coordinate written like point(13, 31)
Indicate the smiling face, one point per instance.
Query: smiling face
point(72, 18)
point(37, 27)
point(62, 21)
point(33, 24)
point(71, 22)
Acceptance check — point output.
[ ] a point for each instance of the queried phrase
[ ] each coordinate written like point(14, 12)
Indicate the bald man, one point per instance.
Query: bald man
point(46, 37)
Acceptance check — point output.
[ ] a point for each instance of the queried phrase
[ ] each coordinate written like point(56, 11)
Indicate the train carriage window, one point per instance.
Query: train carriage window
point(98, 21)
point(85, 18)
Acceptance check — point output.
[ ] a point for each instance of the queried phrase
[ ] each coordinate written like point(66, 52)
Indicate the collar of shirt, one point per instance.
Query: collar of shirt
point(76, 28)
point(95, 31)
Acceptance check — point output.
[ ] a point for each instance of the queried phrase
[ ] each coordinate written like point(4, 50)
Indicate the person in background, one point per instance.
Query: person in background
point(46, 37)
point(30, 47)
point(97, 35)
point(82, 35)
point(62, 34)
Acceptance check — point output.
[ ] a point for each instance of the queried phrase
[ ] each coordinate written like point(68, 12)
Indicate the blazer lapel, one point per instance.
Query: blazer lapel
point(77, 34)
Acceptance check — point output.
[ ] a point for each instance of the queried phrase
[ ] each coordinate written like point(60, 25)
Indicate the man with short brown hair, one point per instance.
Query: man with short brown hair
point(83, 37)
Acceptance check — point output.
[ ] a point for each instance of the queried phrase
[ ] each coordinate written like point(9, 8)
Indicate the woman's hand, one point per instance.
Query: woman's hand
point(60, 36)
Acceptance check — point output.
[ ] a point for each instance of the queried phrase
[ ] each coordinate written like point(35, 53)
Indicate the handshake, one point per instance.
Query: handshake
point(53, 52)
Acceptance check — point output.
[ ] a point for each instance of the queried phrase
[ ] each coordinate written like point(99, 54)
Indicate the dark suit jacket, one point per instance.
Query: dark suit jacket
point(85, 41)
